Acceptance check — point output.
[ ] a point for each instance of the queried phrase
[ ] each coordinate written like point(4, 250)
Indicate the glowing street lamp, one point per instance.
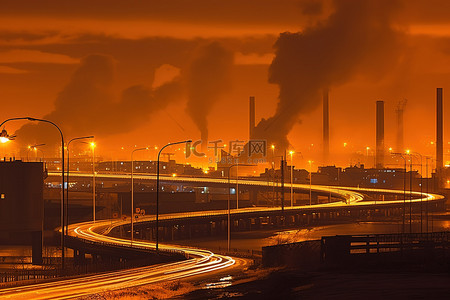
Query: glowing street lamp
point(310, 178)
point(292, 176)
point(7, 137)
point(157, 187)
point(229, 199)
point(93, 179)
point(404, 188)
point(273, 172)
point(67, 177)
point(421, 188)
point(35, 149)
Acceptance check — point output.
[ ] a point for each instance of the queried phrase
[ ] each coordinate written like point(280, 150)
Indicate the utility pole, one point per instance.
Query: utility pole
point(282, 184)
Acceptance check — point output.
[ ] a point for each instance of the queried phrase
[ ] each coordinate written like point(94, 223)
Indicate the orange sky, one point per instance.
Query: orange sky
point(43, 44)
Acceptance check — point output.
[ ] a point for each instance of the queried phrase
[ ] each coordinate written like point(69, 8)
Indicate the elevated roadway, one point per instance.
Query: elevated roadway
point(198, 261)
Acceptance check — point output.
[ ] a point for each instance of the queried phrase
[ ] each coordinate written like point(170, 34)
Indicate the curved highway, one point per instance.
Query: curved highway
point(199, 262)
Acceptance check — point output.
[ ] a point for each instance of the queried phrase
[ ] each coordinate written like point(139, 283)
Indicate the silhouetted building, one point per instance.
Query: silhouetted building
point(22, 205)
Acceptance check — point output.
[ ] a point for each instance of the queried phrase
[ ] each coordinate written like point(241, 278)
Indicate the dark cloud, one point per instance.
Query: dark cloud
point(311, 7)
point(356, 39)
point(199, 11)
point(88, 104)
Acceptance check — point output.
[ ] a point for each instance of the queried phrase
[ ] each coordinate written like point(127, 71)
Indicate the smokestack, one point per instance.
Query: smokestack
point(380, 135)
point(252, 117)
point(399, 111)
point(326, 128)
point(439, 132)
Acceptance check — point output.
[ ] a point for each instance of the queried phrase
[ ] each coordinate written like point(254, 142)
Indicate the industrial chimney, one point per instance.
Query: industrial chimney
point(439, 132)
point(399, 111)
point(326, 127)
point(380, 135)
point(252, 117)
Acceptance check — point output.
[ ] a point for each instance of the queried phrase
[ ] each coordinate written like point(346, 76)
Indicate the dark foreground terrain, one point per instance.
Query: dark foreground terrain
point(293, 284)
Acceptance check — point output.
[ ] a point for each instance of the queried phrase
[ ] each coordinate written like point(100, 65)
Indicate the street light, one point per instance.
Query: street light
point(34, 147)
point(410, 189)
point(426, 202)
point(404, 188)
point(273, 173)
point(229, 197)
point(93, 180)
point(282, 165)
point(310, 178)
point(132, 192)
point(5, 137)
point(67, 177)
point(157, 187)
point(421, 190)
point(292, 176)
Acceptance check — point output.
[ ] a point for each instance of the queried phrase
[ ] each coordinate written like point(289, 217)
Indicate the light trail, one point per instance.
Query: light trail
point(199, 262)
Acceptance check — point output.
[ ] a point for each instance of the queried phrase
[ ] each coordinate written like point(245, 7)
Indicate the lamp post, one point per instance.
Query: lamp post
point(410, 190)
point(93, 180)
point(229, 208)
point(292, 177)
point(404, 188)
point(273, 173)
point(426, 202)
point(132, 192)
point(62, 171)
point(421, 190)
point(237, 183)
point(67, 176)
point(282, 164)
point(34, 147)
point(157, 187)
point(310, 182)
point(367, 155)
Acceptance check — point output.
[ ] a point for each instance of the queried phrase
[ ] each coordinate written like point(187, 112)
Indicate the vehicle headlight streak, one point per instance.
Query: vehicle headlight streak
point(199, 262)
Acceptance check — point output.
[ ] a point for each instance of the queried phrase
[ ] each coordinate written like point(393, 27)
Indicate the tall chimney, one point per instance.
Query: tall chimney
point(326, 127)
point(380, 135)
point(399, 111)
point(252, 117)
point(439, 132)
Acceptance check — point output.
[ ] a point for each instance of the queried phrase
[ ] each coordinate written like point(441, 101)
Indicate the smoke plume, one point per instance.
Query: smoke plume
point(357, 39)
point(88, 105)
point(207, 78)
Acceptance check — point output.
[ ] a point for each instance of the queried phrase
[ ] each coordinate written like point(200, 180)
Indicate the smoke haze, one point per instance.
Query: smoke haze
point(88, 105)
point(356, 39)
point(208, 77)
